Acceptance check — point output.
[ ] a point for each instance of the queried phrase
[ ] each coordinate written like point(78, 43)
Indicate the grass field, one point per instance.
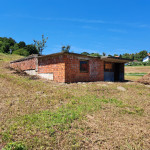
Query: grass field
point(136, 72)
point(40, 114)
point(137, 69)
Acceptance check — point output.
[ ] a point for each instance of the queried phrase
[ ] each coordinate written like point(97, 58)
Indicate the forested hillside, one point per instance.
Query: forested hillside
point(9, 45)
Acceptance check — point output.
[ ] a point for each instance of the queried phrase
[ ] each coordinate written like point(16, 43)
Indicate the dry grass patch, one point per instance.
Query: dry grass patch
point(137, 69)
point(40, 114)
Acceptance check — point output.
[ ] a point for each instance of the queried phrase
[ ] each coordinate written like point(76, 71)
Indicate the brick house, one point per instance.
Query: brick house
point(72, 67)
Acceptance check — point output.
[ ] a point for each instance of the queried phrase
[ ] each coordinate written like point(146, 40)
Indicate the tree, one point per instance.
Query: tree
point(142, 54)
point(21, 51)
point(95, 54)
point(115, 55)
point(85, 53)
point(21, 44)
point(32, 49)
point(65, 48)
point(15, 47)
point(104, 54)
point(11, 41)
point(5, 47)
point(40, 45)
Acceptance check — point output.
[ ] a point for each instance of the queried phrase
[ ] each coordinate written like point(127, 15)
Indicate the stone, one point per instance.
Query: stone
point(121, 88)
point(110, 82)
point(147, 86)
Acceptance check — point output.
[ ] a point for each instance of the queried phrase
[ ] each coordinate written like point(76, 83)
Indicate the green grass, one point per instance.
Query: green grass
point(15, 146)
point(135, 74)
point(9, 57)
point(62, 118)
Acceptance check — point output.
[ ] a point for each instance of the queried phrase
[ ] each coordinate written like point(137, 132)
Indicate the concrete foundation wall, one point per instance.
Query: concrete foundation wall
point(31, 72)
point(48, 76)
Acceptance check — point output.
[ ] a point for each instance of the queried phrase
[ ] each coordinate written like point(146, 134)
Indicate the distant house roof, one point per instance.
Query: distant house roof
point(148, 54)
point(135, 61)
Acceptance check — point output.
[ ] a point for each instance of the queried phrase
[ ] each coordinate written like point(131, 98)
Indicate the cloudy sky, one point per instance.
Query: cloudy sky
point(110, 26)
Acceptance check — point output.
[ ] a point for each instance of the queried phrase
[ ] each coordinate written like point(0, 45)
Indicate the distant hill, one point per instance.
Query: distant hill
point(10, 46)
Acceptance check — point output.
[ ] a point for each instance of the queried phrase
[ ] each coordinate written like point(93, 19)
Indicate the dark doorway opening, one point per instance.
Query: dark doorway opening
point(116, 72)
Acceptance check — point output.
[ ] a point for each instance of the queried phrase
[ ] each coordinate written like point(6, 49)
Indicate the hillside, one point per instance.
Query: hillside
point(41, 114)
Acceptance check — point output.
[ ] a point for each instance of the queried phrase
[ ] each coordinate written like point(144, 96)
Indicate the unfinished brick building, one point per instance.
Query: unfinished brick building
point(71, 67)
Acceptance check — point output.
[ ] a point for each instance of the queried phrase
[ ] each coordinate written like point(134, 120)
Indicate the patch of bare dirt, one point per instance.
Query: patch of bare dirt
point(145, 79)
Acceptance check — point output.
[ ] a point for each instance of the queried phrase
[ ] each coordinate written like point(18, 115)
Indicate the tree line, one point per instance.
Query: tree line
point(10, 46)
point(133, 56)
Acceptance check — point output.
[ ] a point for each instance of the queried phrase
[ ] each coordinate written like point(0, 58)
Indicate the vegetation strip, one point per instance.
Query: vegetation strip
point(62, 118)
point(135, 74)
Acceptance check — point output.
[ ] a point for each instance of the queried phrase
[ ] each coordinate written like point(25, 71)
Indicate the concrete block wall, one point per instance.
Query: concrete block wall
point(52, 64)
point(72, 69)
point(28, 64)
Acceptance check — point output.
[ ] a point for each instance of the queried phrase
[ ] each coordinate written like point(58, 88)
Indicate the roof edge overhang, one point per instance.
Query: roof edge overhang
point(115, 59)
point(25, 58)
point(67, 53)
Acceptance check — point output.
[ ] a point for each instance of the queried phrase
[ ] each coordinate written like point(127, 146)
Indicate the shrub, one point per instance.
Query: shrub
point(15, 146)
point(21, 51)
point(138, 63)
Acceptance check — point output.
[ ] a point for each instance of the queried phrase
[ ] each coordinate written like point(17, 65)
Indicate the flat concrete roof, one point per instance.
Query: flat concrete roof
point(104, 58)
point(26, 58)
point(115, 59)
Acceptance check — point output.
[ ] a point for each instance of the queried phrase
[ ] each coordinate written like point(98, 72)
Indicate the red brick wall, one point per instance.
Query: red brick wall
point(66, 67)
point(28, 64)
point(53, 64)
point(72, 69)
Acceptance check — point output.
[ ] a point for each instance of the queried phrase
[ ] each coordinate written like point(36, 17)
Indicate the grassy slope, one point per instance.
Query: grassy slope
point(47, 115)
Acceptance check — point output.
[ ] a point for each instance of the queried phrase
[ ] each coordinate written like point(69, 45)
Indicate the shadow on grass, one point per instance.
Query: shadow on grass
point(127, 81)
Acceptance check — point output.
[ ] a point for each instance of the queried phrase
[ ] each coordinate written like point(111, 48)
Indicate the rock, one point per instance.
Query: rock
point(128, 82)
point(121, 88)
point(39, 92)
point(79, 82)
point(147, 86)
point(110, 82)
point(102, 84)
